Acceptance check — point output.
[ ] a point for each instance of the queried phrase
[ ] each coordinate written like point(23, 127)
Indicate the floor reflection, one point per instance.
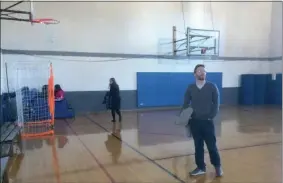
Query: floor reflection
point(113, 145)
point(159, 128)
point(155, 135)
point(259, 120)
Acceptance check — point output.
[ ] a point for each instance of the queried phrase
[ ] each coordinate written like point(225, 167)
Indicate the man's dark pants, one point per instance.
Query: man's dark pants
point(204, 131)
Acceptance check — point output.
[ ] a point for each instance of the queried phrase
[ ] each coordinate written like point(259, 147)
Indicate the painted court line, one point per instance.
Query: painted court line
point(224, 149)
point(92, 155)
point(165, 134)
point(137, 151)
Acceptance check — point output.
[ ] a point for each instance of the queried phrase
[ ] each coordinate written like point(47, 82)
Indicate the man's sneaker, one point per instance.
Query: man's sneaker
point(218, 171)
point(197, 171)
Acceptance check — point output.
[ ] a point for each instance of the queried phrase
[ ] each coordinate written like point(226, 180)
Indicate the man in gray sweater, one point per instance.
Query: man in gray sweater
point(203, 97)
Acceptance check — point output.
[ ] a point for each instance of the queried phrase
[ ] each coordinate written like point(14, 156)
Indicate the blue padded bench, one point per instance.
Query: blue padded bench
point(63, 110)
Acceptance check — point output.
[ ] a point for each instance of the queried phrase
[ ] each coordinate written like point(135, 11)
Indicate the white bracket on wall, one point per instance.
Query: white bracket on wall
point(273, 76)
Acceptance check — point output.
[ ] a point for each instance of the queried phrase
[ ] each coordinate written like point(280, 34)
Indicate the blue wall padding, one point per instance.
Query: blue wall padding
point(271, 85)
point(260, 89)
point(278, 89)
point(161, 89)
point(254, 89)
point(216, 78)
point(247, 89)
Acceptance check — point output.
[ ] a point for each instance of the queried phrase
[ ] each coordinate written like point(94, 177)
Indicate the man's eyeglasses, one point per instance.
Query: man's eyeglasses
point(200, 71)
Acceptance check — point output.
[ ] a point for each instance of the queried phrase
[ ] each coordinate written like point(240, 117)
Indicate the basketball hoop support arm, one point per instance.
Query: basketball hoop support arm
point(188, 41)
point(6, 16)
point(13, 5)
point(174, 41)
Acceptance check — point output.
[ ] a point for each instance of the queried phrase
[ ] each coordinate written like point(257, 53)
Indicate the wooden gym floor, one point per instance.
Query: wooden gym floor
point(151, 148)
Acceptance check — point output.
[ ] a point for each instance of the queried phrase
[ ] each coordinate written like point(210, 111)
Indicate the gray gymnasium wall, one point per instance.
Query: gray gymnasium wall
point(85, 85)
point(92, 100)
point(248, 44)
point(275, 35)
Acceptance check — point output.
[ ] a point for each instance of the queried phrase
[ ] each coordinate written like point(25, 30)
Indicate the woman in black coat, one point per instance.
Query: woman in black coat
point(115, 99)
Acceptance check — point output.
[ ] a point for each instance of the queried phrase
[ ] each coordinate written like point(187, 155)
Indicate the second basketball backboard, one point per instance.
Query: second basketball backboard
point(196, 42)
point(17, 10)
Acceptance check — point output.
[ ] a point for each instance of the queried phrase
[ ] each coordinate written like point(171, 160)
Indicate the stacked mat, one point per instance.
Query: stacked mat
point(260, 89)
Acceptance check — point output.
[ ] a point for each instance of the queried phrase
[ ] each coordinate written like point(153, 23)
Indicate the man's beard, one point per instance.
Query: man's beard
point(201, 78)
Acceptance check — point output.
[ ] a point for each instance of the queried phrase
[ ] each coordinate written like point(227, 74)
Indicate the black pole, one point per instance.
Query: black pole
point(7, 80)
point(174, 41)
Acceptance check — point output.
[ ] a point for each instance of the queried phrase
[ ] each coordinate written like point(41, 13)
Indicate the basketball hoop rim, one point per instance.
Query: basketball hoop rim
point(45, 21)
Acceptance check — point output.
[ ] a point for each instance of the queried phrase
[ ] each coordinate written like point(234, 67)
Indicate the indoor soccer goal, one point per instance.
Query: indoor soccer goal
point(33, 84)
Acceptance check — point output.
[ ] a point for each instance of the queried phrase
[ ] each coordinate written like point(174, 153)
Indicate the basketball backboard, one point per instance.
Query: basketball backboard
point(175, 46)
point(203, 42)
point(17, 10)
point(195, 43)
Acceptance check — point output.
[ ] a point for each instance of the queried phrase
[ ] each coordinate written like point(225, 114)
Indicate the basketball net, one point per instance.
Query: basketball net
point(46, 21)
point(48, 30)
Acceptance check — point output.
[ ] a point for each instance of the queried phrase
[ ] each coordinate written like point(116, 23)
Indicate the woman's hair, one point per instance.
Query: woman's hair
point(113, 80)
point(57, 87)
point(114, 83)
